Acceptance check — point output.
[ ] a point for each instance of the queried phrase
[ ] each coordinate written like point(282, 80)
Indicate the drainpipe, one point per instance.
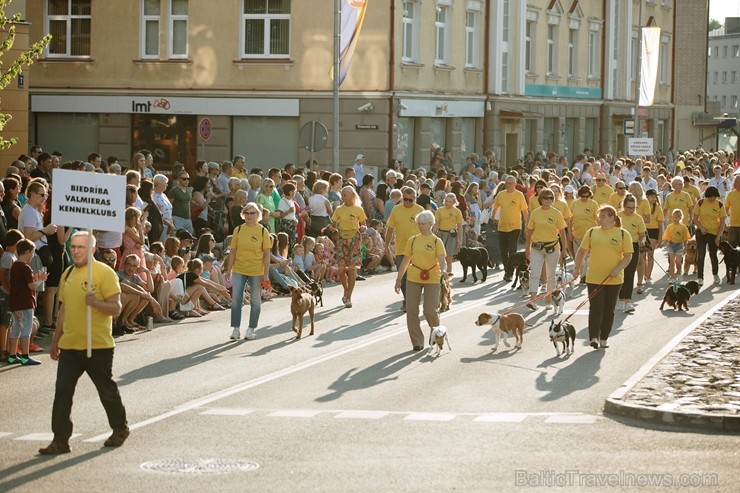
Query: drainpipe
point(391, 80)
point(486, 62)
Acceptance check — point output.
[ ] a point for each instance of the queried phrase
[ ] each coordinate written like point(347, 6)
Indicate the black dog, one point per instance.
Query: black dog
point(731, 260)
point(565, 333)
point(317, 290)
point(520, 263)
point(678, 295)
point(473, 257)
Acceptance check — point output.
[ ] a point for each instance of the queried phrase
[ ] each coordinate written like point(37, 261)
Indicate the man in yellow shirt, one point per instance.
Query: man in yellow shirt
point(512, 204)
point(691, 189)
point(402, 226)
point(70, 343)
point(615, 199)
point(732, 206)
point(238, 170)
point(602, 191)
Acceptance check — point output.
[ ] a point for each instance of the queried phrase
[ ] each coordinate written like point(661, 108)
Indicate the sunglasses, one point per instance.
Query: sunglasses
point(109, 259)
point(248, 214)
point(408, 200)
point(185, 178)
point(600, 179)
point(620, 188)
point(129, 264)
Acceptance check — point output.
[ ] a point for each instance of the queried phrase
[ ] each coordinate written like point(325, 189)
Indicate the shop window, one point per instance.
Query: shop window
point(171, 138)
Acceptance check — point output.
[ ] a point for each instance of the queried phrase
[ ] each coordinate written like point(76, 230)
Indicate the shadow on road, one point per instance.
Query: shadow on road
point(580, 374)
point(48, 466)
point(380, 372)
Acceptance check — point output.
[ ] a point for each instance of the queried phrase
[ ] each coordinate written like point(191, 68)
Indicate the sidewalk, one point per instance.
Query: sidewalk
point(694, 381)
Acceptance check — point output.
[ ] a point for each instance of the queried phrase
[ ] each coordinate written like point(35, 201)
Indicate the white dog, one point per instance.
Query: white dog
point(564, 279)
point(558, 300)
point(438, 337)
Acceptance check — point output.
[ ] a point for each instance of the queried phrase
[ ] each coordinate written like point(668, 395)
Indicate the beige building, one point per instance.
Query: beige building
point(545, 75)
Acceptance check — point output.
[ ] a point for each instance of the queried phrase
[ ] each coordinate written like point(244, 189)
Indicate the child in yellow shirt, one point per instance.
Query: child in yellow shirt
point(674, 239)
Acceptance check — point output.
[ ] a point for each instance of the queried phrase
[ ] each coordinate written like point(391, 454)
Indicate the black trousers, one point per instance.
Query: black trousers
point(629, 274)
point(702, 242)
point(72, 364)
point(601, 310)
point(508, 243)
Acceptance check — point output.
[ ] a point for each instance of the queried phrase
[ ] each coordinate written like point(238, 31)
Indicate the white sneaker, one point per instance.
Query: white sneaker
point(620, 305)
point(250, 334)
point(235, 334)
point(629, 307)
point(717, 280)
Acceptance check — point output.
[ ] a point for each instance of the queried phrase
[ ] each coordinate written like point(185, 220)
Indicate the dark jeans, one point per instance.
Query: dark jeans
point(493, 243)
point(702, 242)
point(508, 243)
point(72, 364)
point(399, 261)
point(601, 310)
point(629, 274)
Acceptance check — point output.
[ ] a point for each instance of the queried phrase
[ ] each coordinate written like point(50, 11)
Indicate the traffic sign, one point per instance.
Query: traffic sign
point(205, 129)
point(313, 136)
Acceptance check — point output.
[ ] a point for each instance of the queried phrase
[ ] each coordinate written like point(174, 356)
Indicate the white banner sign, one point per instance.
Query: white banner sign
point(640, 147)
point(88, 200)
point(650, 59)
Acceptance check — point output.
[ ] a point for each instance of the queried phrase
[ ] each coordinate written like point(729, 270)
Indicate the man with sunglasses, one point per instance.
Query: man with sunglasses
point(180, 195)
point(601, 191)
point(402, 226)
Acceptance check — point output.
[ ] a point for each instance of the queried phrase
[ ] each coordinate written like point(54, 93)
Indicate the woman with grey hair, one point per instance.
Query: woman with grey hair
point(424, 258)
point(264, 198)
point(164, 205)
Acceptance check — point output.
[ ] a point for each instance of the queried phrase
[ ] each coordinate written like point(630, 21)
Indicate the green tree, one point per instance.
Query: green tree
point(26, 58)
point(714, 24)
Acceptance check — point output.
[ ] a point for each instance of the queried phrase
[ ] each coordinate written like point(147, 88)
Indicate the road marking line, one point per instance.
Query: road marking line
point(429, 417)
point(501, 418)
point(5, 433)
point(583, 419)
point(42, 437)
point(362, 415)
point(223, 411)
point(295, 413)
point(236, 389)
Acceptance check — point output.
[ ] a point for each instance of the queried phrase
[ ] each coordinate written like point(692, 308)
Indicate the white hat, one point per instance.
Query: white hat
point(360, 156)
point(570, 189)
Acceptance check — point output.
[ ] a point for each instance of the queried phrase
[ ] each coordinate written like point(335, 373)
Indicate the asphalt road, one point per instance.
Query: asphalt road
point(354, 409)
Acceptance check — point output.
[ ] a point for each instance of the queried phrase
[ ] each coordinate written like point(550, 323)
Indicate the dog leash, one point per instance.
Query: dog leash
point(588, 298)
point(537, 298)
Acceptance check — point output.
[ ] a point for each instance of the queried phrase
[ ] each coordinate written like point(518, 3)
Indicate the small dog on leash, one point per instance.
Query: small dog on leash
point(445, 294)
point(564, 333)
point(317, 290)
point(473, 257)
point(557, 298)
point(564, 279)
point(678, 295)
point(689, 256)
point(438, 337)
point(301, 303)
point(731, 260)
point(511, 323)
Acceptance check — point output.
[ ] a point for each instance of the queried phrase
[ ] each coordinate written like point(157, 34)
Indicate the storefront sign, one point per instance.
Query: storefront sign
point(366, 127)
point(640, 147)
point(544, 90)
point(438, 108)
point(88, 200)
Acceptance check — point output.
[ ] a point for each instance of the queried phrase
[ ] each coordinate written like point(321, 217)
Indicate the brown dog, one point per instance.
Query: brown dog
point(511, 323)
point(300, 304)
point(445, 295)
point(689, 257)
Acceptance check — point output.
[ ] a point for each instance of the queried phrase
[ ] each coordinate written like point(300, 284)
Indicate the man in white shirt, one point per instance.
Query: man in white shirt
point(359, 169)
point(724, 185)
point(648, 182)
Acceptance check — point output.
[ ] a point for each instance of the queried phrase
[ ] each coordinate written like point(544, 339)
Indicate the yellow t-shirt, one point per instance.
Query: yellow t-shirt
point(448, 218)
point(711, 214)
point(678, 201)
point(403, 219)
point(693, 191)
point(656, 218)
point(732, 202)
point(585, 216)
point(634, 224)
point(570, 201)
point(607, 247)
point(249, 243)
point(72, 292)
point(615, 200)
point(564, 208)
point(348, 219)
point(602, 193)
point(512, 204)
point(237, 173)
point(676, 233)
point(533, 203)
point(545, 225)
point(424, 251)
point(643, 208)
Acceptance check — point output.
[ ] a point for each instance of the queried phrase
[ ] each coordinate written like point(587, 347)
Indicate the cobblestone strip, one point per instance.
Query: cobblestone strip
point(694, 381)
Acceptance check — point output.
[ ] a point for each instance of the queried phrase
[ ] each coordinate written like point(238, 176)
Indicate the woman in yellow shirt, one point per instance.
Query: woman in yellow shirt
point(349, 219)
point(448, 225)
point(545, 233)
point(423, 259)
point(611, 251)
point(654, 229)
point(709, 218)
point(584, 212)
point(635, 226)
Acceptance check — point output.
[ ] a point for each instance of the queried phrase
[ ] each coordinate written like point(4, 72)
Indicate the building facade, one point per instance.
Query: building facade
point(723, 84)
point(542, 75)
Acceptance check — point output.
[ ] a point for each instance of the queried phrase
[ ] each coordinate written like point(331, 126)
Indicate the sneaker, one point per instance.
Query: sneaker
point(348, 303)
point(594, 343)
point(418, 348)
point(55, 448)
point(603, 344)
point(639, 289)
point(14, 360)
point(359, 278)
point(35, 348)
point(620, 305)
point(700, 281)
point(648, 280)
point(235, 334)
point(717, 280)
point(629, 307)
point(531, 306)
point(117, 438)
point(29, 362)
point(250, 334)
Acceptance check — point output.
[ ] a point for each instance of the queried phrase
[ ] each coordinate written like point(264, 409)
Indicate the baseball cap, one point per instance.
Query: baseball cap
point(359, 156)
point(183, 234)
point(569, 189)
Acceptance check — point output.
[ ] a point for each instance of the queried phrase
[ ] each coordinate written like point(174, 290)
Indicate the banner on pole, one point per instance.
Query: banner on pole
point(650, 58)
point(353, 14)
point(88, 200)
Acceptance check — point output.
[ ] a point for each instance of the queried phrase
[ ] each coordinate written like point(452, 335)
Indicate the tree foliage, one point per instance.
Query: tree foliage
point(714, 24)
point(25, 59)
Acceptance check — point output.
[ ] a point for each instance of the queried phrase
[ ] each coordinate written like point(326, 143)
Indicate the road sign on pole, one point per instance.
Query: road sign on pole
point(205, 129)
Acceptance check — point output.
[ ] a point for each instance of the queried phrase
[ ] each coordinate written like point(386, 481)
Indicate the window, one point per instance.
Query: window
point(266, 29)
point(178, 28)
point(442, 30)
point(573, 53)
point(724, 77)
point(593, 54)
point(734, 76)
point(724, 51)
point(715, 77)
point(724, 102)
point(529, 47)
point(505, 67)
point(733, 102)
point(471, 38)
point(505, 46)
point(410, 32)
point(736, 51)
point(664, 59)
point(552, 49)
point(634, 55)
point(68, 21)
point(716, 51)
point(150, 28)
